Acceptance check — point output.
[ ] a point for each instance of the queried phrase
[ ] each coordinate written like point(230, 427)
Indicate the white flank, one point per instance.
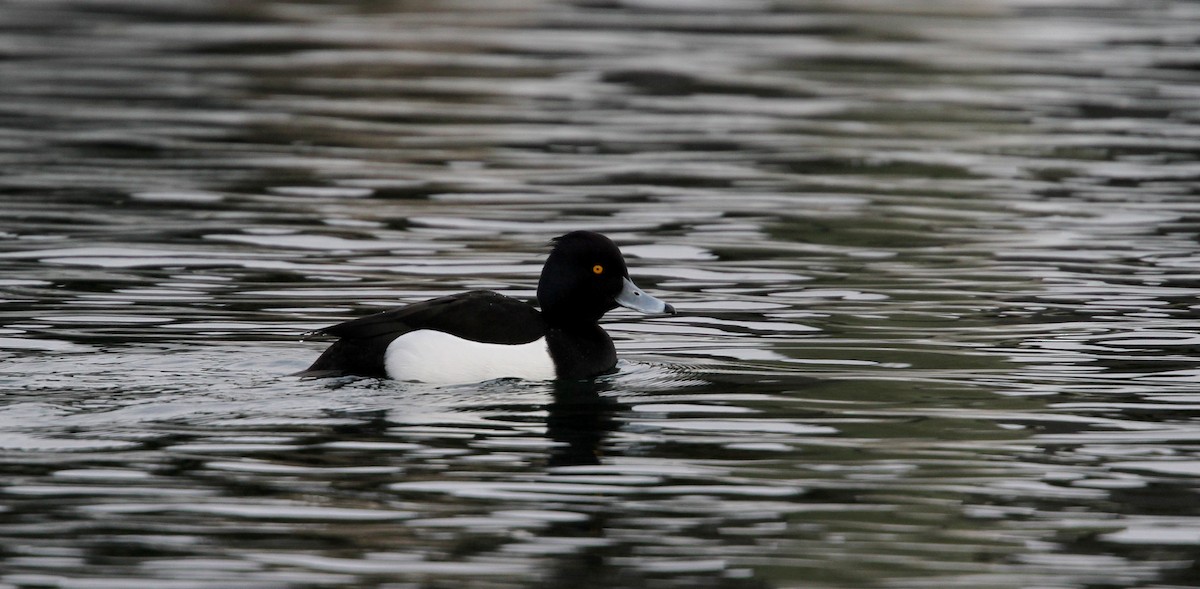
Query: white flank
point(433, 356)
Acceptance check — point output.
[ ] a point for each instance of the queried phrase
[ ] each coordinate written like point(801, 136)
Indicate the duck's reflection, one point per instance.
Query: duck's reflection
point(580, 418)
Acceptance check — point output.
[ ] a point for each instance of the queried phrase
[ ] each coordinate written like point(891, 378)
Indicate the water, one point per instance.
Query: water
point(936, 267)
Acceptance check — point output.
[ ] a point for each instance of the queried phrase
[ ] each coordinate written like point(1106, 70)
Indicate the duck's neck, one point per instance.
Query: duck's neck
point(573, 319)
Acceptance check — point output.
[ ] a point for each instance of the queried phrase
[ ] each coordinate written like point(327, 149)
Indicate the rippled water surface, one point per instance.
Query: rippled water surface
point(936, 264)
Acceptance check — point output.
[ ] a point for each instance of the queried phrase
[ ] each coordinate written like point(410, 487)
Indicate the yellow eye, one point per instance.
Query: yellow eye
point(597, 269)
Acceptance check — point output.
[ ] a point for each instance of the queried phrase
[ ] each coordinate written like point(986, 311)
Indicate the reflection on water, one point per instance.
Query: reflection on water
point(936, 268)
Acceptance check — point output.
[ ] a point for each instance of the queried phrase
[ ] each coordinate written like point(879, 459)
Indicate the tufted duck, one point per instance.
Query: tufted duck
point(481, 335)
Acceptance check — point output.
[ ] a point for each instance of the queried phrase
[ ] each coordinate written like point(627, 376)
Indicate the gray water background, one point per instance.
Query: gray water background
point(936, 264)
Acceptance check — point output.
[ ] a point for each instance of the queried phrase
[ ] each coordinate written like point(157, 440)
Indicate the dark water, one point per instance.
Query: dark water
point(936, 264)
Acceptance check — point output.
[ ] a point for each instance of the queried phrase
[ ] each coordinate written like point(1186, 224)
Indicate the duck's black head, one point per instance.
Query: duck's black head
point(585, 277)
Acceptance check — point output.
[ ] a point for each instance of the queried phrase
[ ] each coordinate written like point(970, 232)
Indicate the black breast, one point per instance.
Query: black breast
point(579, 352)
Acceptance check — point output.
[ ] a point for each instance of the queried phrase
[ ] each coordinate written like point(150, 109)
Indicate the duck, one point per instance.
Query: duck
point(482, 335)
